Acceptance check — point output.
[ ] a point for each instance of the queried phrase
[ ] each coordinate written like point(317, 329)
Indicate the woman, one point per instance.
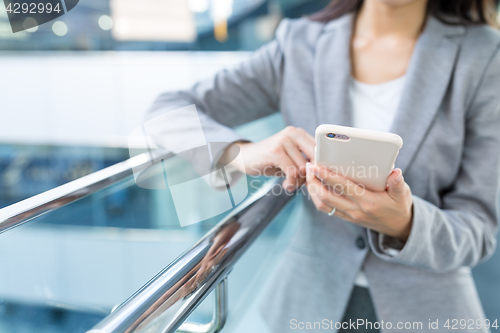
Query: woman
point(426, 70)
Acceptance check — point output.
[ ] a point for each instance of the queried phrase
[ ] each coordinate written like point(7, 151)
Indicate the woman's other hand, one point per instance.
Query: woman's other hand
point(388, 212)
point(283, 154)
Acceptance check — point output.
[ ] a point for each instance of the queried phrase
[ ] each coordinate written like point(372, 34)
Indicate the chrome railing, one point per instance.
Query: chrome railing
point(166, 301)
point(26, 210)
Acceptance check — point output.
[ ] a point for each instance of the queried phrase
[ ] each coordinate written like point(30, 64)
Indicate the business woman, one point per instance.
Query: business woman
point(428, 70)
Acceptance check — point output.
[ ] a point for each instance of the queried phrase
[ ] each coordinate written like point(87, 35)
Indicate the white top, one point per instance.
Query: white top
point(374, 107)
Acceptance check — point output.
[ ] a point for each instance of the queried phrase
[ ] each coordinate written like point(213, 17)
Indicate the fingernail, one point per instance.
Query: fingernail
point(308, 167)
point(398, 178)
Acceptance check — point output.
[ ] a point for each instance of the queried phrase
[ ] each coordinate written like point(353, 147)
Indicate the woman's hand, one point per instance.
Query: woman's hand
point(388, 212)
point(283, 154)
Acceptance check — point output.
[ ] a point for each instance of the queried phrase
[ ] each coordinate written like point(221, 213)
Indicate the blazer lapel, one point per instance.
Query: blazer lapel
point(332, 70)
point(427, 79)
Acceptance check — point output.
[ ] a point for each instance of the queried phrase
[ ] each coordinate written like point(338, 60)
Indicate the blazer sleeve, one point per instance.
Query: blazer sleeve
point(461, 232)
point(232, 97)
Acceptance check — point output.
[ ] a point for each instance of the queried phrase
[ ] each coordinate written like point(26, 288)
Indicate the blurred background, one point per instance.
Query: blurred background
point(124, 25)
point(71, 91)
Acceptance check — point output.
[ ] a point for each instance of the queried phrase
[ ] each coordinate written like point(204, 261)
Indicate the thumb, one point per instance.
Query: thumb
point(395, 183)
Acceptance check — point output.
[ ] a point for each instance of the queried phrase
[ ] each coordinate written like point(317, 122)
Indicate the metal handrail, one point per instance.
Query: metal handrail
point(26, 210)
point(219, 317)
point(166, 301)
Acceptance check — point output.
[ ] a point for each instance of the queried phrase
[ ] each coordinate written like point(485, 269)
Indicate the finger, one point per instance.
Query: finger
point(285, 163)
point(320, 205)
point(317, 189)
point(295, 155)
point(342, 185)
point(272, 171)
point(346, 217)
point(325, 208)
point(312, 186)
point(395, 184)
point(303, 140)
point(343, 216)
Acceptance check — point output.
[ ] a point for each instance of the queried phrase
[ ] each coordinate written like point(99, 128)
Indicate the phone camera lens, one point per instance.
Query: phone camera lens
point(330, 135)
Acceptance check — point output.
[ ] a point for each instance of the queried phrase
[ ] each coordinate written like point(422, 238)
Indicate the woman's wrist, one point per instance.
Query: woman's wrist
point(230, 153)
point(403, 229)
point(405, 232)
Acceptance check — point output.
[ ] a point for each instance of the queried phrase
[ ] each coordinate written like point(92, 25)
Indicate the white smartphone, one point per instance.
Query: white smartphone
point(363, 156)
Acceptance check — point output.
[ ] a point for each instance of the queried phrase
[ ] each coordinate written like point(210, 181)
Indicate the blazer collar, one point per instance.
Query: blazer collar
point(428, 76)
point(332, 72)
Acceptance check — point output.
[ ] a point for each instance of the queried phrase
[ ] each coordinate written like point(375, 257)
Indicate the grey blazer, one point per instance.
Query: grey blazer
point(449, 119)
